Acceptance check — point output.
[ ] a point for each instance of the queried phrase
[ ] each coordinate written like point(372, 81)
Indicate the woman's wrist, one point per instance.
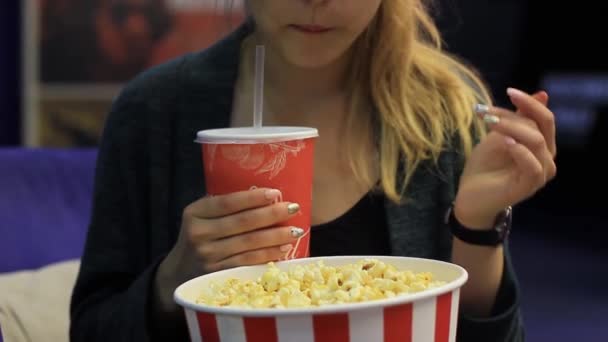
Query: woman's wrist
point(163, 288)
point(475, 218)
point(165, 316)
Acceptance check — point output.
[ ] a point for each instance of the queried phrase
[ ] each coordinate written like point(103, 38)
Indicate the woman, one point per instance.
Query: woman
point(398, 140)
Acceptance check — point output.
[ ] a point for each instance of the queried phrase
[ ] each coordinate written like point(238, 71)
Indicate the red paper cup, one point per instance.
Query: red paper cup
point(238, 159)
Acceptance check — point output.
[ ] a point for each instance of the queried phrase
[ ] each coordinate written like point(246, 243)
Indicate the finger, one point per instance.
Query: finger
point(489, 112)
point(535, 109)
point(249, 220)
point(542, 97)
point(546, 160)
point(483, 110)
point(532, 174)
point(550, 170)
point(256, 257)
point(223, 205)
point(259, 239)
point(525, 135)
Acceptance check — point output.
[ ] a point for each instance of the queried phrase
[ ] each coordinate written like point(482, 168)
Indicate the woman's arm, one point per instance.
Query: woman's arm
point(485, 266)
point(493, 313)
point(509, 165)
point(111, 298)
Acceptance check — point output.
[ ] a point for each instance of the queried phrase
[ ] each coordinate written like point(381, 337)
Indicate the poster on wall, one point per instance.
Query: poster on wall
point(80, 53)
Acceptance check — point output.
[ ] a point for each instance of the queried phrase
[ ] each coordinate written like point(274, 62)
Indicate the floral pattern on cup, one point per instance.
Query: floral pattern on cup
point(268, 159)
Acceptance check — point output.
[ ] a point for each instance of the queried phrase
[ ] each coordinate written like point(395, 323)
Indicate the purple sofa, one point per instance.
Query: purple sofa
point(45, 201)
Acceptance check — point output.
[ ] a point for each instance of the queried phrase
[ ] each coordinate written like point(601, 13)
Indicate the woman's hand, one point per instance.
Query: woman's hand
point(227, 231)
point(511, 163)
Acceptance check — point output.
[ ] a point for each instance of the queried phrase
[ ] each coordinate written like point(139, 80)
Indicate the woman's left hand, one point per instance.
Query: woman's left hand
point(511, 163)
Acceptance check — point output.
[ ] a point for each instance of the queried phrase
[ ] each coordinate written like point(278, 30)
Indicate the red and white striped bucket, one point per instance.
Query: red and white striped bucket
point(428, 316)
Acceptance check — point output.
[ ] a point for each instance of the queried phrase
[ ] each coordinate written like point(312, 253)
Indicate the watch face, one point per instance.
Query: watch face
point(503, 223)
point(502, 230)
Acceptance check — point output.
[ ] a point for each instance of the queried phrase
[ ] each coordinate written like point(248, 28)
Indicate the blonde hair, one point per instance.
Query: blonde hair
point(422, 97)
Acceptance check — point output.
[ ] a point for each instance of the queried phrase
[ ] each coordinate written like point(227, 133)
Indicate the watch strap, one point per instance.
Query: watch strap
point(494, 236)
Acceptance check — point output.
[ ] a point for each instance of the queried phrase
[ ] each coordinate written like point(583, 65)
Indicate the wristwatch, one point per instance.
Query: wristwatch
point(494, 236)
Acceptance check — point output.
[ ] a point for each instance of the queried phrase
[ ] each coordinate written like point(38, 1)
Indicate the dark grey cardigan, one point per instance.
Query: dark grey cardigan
point(149, 169)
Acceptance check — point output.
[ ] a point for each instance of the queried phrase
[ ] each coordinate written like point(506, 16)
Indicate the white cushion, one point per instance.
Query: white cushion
point(34, 305)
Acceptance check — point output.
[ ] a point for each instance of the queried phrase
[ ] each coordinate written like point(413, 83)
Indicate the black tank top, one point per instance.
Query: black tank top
point(362, 230)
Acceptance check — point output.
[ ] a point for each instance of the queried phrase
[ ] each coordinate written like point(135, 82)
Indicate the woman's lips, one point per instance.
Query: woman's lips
point(311, 29)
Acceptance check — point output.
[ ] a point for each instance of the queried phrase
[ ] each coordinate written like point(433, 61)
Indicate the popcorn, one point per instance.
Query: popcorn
point(316, 285)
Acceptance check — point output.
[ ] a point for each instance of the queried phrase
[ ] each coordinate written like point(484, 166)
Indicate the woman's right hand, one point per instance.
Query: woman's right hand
point(220, 232)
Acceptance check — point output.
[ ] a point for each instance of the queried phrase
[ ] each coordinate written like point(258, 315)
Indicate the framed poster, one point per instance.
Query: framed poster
point(78, 54)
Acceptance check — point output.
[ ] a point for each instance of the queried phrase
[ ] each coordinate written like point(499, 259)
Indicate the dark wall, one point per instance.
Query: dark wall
point(489, 35)
point(518, 43)
point(9, 73)
point(570, 38)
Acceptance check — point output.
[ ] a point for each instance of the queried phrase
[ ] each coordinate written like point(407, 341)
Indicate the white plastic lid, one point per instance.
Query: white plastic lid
point(252, 135)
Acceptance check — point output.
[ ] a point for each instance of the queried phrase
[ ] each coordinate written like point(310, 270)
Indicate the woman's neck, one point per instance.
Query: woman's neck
point(294, 81)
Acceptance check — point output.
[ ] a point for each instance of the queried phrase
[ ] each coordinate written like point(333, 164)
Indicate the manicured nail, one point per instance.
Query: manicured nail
point(272, 194)
point(510, 141)
point(293, 208)
point(481, 109)
point(512, 92)
point(296, 232)
point(491, 119)
point(286, 248)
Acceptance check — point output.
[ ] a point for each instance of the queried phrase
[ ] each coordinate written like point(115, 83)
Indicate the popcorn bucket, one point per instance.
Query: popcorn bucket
point(238, 159)
point(430, 315)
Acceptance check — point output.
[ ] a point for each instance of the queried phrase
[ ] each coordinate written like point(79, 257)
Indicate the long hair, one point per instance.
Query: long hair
point(422, 97)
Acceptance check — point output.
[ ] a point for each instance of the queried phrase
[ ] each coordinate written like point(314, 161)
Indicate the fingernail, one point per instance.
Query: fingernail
point(512, 92)
point(481, 109)
point(491, 119)
point(286, 248)
point(272, 194)
point(510, 141)
point(296, 232)
point(293, 208)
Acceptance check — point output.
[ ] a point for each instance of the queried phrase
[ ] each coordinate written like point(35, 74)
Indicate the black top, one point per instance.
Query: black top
point(149, 169)
point(362, 230)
